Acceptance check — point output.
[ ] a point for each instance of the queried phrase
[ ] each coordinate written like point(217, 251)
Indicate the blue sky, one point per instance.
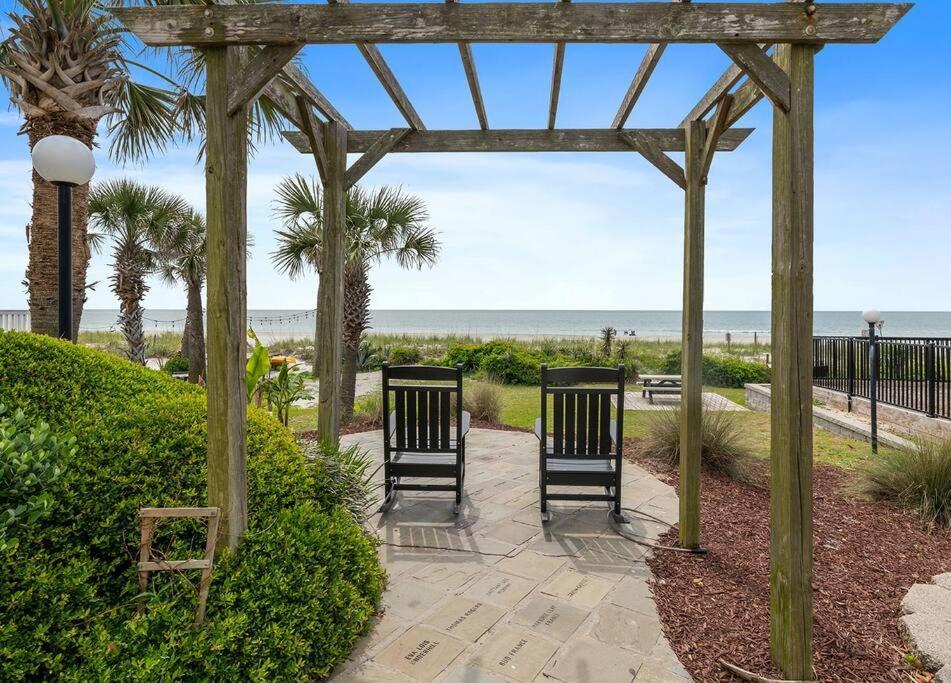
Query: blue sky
point(603, 231)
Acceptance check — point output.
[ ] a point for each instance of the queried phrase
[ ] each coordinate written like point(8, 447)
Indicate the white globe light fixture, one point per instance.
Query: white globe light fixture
point(65, 162)
point(61, 159)
point(872, 317)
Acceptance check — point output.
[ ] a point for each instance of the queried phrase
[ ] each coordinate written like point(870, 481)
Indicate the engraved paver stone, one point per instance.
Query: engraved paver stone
point(579, 589)
point(421, 653)
point(500, 589)
point(517, 654)
point(464, 618)
point(550, 617)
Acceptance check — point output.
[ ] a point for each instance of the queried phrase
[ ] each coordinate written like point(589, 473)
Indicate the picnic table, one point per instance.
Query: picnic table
point(659, 384)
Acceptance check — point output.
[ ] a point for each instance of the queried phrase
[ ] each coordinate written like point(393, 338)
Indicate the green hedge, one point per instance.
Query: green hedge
point(501, 361)
point(723, 371)
point(289, 605)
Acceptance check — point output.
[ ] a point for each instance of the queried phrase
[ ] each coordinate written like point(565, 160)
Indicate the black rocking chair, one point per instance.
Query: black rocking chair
point(584, 448)
point(419, 439)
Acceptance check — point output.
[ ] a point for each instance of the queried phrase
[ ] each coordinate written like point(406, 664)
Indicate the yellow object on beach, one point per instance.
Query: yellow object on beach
point(277, 360)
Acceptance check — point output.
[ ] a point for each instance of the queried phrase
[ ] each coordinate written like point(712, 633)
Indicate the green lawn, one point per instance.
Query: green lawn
point(521, 407)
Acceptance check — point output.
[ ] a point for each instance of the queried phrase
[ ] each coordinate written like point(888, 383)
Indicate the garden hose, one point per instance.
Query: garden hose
point(629, 534)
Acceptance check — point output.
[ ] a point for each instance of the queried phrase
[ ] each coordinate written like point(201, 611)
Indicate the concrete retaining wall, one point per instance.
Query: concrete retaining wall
point(758, 398)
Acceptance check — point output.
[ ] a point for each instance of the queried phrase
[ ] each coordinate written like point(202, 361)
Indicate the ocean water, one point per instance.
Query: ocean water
point(499, 323)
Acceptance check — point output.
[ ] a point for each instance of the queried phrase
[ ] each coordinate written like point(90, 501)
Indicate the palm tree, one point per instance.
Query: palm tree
point(383, 224)
point(67, 67)
point(184, 260)
point(141, 220)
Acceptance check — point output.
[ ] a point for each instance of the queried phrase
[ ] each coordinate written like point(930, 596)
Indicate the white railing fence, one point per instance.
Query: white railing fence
point(15, 320)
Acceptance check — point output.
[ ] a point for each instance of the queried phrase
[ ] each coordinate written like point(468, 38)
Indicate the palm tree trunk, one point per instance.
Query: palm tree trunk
point(128, 284)
point(186, 336)
point(196, 332)
point(42, 271)
point(356, 315)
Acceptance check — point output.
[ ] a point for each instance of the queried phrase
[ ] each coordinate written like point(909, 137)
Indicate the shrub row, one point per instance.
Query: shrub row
point(289, 605)
point(722, 371)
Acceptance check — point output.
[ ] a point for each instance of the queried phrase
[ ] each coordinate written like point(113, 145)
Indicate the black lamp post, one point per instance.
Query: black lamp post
point(873, 318)
point(65, 162)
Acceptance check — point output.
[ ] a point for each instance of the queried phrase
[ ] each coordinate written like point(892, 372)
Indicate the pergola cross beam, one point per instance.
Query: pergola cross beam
point(503, 22)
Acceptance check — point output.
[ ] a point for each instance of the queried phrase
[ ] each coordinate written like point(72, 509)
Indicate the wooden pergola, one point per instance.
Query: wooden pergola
point(772, 47)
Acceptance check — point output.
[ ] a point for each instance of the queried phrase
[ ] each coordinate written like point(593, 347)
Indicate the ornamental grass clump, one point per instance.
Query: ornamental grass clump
point(725, 448)
point(483, 401)
point(916, 477)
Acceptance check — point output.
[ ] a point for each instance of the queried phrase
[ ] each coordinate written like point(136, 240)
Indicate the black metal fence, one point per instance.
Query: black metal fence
point(914, 372)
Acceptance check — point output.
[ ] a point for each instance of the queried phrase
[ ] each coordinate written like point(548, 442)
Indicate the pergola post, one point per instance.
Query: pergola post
point(226, 178)
point(330, 294)
point(791, 415)
point(691, 393)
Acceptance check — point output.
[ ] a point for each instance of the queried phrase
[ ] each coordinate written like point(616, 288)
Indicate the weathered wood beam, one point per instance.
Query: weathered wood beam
point(226, 182)
point(374, 58)
point(713, 133)
point(596, 22)
point(248, 85)
point(724, 84)
point(691, 388)
point(330, 288)
point(282, 99)
point(639, 82)
point(791, 542)
point(472, 78)
point(557, 66)
point(313, 129)
point(376, 152)
point(650, 151)
point(305, 87)
point(644, 72)
point(531, 140)
point(762, 70)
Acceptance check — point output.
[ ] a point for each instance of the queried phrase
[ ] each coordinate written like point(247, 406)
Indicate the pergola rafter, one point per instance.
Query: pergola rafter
point(639, 82)
point(796, 29)
point(374, 58)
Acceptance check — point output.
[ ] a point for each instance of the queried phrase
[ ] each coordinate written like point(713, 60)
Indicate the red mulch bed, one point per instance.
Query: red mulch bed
point(867, 556)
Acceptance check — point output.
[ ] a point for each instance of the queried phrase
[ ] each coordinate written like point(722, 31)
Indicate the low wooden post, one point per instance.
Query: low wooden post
point(691, 392)
point(226, 168)
point(791, 415)
point(330, 294)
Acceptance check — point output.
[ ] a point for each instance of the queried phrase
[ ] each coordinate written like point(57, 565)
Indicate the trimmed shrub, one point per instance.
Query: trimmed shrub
point(917, 478)
point(469, 355)
point(404, 355)
point(483, 401)
point(510, 365)
point(67, 597)
point(722, 371)
point(724, 448)
point(30, 462)
point(177, 363)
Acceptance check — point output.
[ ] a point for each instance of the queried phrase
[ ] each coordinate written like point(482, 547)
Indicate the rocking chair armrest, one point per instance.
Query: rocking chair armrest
point(612, 430)
point(466, 421)
point(538, 428)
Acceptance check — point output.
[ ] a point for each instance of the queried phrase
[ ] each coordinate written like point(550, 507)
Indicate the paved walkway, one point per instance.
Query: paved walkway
point(491, 595)
point(711, 401)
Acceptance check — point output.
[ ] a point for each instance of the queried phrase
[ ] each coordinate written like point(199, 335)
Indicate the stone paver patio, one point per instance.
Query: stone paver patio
point(491, 595)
